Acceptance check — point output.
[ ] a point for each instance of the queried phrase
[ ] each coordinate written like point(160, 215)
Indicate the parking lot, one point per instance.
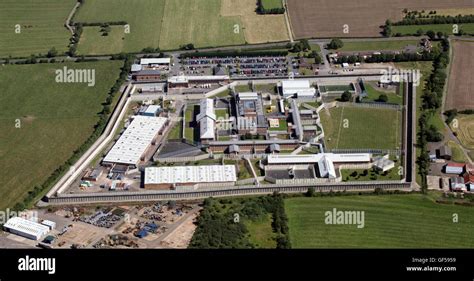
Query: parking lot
point(237, 66)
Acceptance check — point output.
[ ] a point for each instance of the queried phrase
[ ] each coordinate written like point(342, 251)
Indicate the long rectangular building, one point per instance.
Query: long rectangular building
point(315, 158)
point(206, 119)
point(167, 177)
point(26, 228)
point(135, 141)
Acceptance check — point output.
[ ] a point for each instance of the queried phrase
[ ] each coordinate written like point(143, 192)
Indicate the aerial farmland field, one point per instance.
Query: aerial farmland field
point(41, 26)
point(55, 119)
point(168, 24)
point(326, 18)
point(460, 93)
point(391, 221)
point(365, 128)
point(445, 28)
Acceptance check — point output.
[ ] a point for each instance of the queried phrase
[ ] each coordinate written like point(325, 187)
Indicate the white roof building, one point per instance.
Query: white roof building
point(186, 79)
point(206, 119)
point(26, 228)
point(302, 88)
point(315, 158)
point(248, 96)
point(136, 67)
point(326, 168)
point(383, 163)
point(190, 174)
point(136, 139)
point(150, 61)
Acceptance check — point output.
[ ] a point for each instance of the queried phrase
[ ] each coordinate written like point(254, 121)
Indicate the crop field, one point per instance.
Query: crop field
point(41, 26)
point(326, 18)
point(168, 24)
point(389, 45)
point(445, 28)
point(465, 130)
point(390, 221)
point(364, 128)
point(257, 28)
point(55, 119)
point(460, 83)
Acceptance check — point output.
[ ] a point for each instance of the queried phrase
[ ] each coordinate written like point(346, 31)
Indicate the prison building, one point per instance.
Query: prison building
point(252, 146)
point(155, 63)
point(26, 228)
point(251, 119)
point(135, 143)
point(147, 75)
point(190, 81)
point(207, 120)
point(161, 178)
point(295, 115)
point(297, 88)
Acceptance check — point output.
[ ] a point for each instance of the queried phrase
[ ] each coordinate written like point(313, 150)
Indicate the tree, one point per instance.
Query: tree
point(431, 34)
point(346, 96)
point(310, 192)
point(52, 53)
point(335, 43)
point(383, 98)
point(440, 35)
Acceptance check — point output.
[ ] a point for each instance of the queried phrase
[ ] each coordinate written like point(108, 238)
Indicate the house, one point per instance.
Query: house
point(457, 184)
point(469, 181)
point(454, 168)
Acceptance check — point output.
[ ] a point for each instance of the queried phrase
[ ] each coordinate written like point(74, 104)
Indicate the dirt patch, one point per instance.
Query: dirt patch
point(181, 236)
point(461, 81)
point(257, 28)
point(326, 18)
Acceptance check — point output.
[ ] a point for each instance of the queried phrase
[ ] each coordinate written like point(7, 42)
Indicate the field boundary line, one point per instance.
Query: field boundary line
point(288, 21)
point(71, 14)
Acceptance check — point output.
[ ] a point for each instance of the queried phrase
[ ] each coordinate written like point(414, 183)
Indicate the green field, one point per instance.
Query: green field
point(448, 28)
point(41, 23)
point(370, 128)
point(373, 95)
point(261, 233)
point(391, 221)
point(56, 118)
point(272, 4)
point(336, 88)
point(166, 24)
point(377, 45)
point(144, 17)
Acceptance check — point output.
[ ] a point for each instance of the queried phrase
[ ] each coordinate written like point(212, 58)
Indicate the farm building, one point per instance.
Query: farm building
point(206, 119)
point(445, 152)
point(26, 228)
point(298, 88)
point(169, 177)
point(454, 168)
point(190, 81)
point(135, 142)
point(457, 184)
